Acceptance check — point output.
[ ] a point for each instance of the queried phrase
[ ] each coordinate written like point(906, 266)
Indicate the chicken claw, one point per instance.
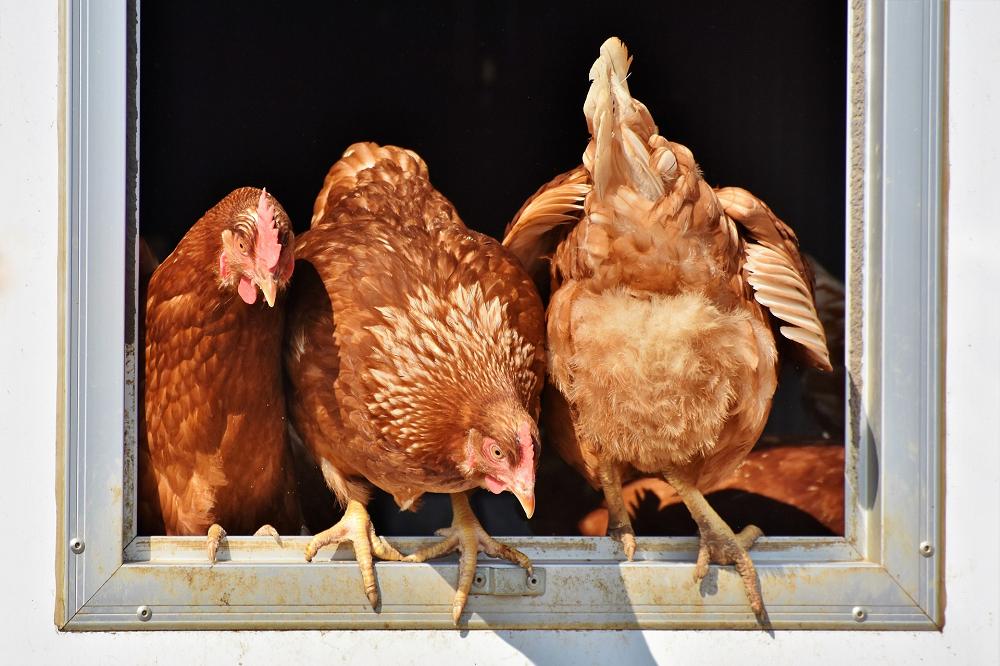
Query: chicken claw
point(718, 542)
point(468, 537)
point(720, 545)
point(215, 536)
point(357, 528)
point(267, 530)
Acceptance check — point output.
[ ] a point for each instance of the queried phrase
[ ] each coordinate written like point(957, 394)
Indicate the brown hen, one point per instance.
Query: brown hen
point(660, 341)
point(415, 353)
point(213, 442)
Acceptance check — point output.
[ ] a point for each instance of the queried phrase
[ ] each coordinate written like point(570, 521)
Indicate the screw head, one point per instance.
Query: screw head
point(479, 580)
point(143, 613)
point(926, 549)
point(76, 545)
point(532, 582)
point(860, 614)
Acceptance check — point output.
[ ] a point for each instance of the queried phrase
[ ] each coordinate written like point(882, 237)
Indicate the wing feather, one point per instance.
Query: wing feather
point(779, 275)
point(533, 233)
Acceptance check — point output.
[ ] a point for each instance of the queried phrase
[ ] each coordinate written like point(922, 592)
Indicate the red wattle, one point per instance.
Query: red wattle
point(248, 292)
point(494, 485)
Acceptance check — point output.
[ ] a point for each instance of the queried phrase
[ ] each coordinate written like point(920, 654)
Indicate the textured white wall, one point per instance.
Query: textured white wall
point(29, 191)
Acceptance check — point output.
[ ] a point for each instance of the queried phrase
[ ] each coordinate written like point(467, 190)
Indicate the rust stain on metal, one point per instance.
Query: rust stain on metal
point(130, 445)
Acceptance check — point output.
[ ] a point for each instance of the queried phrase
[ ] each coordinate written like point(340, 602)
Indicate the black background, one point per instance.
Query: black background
point(490, 95)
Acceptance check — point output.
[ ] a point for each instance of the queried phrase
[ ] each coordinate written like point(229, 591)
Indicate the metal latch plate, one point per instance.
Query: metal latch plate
point(508, 581)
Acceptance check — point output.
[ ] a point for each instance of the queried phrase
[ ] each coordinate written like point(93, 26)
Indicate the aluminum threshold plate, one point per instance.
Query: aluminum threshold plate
point(582, 583)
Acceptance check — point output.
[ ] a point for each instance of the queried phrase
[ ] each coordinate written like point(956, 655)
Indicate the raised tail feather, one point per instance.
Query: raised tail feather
point(625, 149)
point(342, 177)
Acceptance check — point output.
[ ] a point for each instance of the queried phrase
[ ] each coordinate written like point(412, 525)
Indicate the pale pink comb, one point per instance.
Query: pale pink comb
point(527, 463)
point(268, 247)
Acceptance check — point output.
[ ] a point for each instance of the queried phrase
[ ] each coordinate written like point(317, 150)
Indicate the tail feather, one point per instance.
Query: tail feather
point(343, 175)
point(625, 150)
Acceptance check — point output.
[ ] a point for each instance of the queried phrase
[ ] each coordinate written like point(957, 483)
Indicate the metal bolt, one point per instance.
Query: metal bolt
point(860, 614)
point(926, 549)
point(143, 613)
point(479, 580)
point(76, 545)
point(533, 582)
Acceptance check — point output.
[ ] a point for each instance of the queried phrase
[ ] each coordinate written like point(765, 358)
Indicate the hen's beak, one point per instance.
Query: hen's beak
point(527, 498)
point(269, 287)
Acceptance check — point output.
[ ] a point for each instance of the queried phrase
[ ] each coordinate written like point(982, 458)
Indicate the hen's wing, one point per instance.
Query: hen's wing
point(781, 277)
point(541, 223)
point(312, 362)
point(178, 447)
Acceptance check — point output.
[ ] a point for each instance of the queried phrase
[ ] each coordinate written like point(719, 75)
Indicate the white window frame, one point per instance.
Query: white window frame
point(884, 574)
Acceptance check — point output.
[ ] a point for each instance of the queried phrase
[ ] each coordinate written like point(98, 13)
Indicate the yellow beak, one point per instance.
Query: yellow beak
point(269, 287)
point(527, 499)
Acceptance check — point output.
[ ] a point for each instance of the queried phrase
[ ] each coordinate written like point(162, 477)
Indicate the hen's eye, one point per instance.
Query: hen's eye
point(497, 453)
point(241, 244)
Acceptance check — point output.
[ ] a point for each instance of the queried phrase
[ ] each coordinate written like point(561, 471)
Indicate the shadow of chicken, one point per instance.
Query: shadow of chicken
point(213, 447)
point(661, 350)
point(415, 356)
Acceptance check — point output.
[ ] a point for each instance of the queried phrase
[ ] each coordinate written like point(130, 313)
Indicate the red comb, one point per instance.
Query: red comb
point(527, 448)
point(268, 247)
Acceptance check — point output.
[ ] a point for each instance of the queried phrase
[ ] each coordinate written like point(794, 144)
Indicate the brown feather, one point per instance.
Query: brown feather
point(537, 227)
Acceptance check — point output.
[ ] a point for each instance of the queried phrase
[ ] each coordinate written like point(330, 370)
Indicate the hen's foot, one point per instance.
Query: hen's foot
point(718, 542)
point(626, 535)
point(356, 527)
point(720, 545)
point(468, 537)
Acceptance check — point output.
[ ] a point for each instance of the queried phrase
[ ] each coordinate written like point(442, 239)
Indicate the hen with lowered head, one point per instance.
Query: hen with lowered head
point(213, 442)
point(415, 354)
point(664, 295)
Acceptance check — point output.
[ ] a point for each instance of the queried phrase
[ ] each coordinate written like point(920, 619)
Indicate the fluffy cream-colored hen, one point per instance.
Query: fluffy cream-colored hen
point(660, 324)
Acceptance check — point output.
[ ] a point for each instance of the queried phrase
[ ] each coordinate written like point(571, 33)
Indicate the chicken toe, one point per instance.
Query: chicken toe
point(215, 536)
point(468, 537)
point(718, 542)
point(267, 530)
point(357, 528)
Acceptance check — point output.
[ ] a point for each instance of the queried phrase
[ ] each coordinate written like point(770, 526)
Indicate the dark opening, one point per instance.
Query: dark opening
point(490, 95)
